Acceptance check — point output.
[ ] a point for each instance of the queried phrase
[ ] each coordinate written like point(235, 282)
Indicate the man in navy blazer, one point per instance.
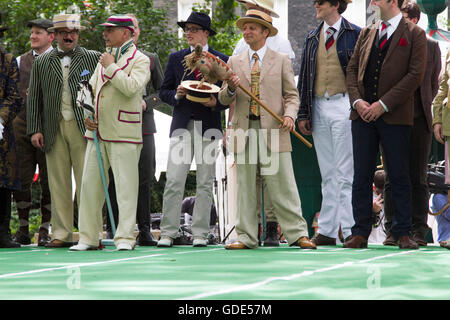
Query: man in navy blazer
point(195, 131)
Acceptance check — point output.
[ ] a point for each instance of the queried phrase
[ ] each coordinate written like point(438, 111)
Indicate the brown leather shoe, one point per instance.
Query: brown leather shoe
point(356, 242)
point(405, 242)
point(390, 241)
point(419, 239)
point(321, 240)
point(55, 243)
point(305, 243)
point(445, 244)
point(236, 246)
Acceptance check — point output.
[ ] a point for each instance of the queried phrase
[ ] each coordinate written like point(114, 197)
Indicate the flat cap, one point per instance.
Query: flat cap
point(41, 23)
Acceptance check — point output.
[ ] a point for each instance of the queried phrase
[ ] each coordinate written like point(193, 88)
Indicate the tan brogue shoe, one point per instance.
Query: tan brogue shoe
point(236, 246)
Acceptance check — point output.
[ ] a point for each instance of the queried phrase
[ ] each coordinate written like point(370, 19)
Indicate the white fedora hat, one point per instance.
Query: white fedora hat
point(265, 4)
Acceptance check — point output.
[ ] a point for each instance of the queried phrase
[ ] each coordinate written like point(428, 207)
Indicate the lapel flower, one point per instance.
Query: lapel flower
point(402, 42)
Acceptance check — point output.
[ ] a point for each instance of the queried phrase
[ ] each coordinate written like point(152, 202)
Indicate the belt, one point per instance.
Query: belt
point(253, 117)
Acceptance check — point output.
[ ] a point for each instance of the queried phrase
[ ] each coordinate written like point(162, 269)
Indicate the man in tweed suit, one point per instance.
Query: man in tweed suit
point(55, 124)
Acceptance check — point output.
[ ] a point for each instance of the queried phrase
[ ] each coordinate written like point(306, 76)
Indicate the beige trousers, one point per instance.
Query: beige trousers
point(281, 186)
point(66, 154)
point(123, 158)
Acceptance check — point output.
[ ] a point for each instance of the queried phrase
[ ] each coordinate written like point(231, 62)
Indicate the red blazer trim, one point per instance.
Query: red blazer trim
point(127, 112)
point(117, 70)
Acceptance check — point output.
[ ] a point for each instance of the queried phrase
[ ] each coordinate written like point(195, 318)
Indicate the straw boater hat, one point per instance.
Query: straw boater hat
point(198, 93)
point(70, 21)
point(257, 17)
point(119, 21)
point(265, 4)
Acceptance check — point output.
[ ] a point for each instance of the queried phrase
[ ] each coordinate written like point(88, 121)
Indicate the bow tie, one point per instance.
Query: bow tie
point(62, 54)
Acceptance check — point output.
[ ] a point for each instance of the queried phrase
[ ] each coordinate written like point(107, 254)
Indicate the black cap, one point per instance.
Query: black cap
point(41, 23)
point(199, 18)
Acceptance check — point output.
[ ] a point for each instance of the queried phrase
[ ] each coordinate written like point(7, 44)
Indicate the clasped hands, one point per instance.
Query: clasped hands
point(369, 112)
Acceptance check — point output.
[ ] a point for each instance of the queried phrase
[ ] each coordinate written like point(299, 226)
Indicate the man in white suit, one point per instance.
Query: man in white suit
point(118, 85)
point(270, 76)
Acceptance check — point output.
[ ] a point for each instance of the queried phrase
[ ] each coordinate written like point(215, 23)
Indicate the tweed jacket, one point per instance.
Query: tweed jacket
point(118, 91)
point(10, 103)
point(277, 84)
point(430, 84)
point(441, 110)
point(45, 91)
point(401, 74)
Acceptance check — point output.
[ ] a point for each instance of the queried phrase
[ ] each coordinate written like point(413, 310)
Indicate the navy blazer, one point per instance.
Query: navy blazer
point(183, 109)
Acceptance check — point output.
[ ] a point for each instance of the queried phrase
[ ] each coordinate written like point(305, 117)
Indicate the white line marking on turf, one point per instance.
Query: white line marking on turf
point(289, 277)
point(37, 250)
point(88, 264)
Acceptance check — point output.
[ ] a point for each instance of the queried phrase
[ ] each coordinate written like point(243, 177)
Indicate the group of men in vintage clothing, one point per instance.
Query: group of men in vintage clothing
point(379, 73)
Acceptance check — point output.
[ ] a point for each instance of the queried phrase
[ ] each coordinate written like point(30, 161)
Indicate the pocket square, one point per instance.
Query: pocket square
point(402, 42)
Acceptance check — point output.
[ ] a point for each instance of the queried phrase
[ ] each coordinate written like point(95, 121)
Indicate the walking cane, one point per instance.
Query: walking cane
point(105, 242)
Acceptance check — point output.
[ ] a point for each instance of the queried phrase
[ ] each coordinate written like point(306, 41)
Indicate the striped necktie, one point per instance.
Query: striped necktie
point(383, 34)
point(255, 73)
point(330, 37)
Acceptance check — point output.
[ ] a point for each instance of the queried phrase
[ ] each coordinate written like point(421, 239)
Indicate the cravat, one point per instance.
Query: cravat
point(255, 73)
point(330, 37)
point(383, 35)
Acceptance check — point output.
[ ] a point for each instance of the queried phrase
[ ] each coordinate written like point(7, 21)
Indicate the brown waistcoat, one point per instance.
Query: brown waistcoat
point(26, 62)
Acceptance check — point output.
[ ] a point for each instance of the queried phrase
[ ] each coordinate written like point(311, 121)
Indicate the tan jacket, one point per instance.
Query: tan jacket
point(276, 84)
point(441, 111)
point(118, 92)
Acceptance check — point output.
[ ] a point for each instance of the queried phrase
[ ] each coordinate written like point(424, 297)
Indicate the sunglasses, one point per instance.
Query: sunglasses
point(319, 2)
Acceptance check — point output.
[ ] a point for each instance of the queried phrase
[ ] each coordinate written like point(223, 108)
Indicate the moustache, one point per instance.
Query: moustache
point(68, 40)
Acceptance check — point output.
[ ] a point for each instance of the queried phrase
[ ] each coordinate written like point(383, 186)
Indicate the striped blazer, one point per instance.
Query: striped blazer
point(45, 91)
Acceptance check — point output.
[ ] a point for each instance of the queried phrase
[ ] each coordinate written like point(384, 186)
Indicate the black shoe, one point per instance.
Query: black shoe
point(271, 239)
point(43, 238)
point(145, 238)
point(22, 237)
point(5, 242)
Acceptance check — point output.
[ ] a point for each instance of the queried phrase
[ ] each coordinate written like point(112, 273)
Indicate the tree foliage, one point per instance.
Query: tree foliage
point(224, 23)
point(156, 33)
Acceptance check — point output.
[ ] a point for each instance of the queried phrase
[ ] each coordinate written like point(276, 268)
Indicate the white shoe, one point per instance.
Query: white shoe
point(200, 242)
point(165, 242)
point(82, 247)
point(124, 246)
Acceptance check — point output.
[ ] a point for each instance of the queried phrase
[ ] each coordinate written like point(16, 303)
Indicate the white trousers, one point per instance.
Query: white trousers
point(331, 130)
point(123, 158)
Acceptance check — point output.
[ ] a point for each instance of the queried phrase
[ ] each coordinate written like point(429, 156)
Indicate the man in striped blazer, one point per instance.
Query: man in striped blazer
point(54, 122)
